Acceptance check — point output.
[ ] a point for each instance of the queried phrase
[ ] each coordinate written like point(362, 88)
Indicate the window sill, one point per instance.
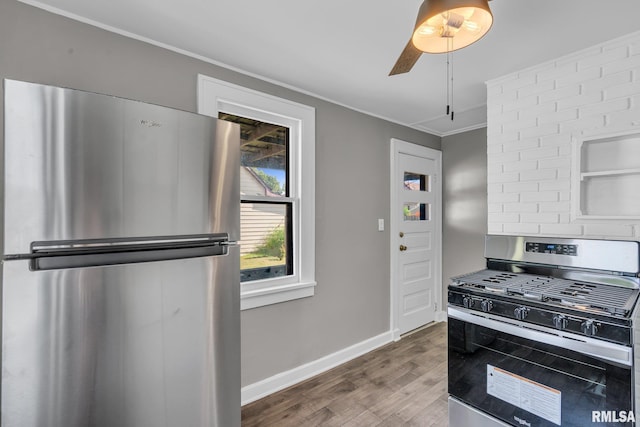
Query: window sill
point(276, 294)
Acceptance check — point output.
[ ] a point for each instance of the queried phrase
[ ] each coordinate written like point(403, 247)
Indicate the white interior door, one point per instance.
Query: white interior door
point(415, 235)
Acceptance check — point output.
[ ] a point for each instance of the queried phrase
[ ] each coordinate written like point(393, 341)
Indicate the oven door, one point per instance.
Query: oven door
point(536, 377)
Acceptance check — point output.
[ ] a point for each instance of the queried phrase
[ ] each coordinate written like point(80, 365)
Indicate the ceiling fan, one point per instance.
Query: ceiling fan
point(444, 26)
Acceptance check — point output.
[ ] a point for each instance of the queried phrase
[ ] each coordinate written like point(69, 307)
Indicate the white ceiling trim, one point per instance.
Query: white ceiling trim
point(208, 60)
point(348, 65)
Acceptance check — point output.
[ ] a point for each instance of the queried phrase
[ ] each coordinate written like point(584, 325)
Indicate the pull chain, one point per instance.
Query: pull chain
point(450, 77)
point(448, 106)
point(452, 88)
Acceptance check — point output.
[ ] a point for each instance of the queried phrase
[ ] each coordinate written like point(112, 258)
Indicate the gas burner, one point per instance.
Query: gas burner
point(552, 291)
point(495, 290)
point(534, 296)
point(578, 290)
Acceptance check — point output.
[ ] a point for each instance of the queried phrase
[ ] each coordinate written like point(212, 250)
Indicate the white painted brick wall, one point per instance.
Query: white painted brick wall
point(533, 116)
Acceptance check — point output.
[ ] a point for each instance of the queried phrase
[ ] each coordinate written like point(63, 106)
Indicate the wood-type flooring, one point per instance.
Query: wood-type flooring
point(400, 384)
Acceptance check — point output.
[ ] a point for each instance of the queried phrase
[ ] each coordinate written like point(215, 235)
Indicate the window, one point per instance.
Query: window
point(277, 190)
point(265, 215)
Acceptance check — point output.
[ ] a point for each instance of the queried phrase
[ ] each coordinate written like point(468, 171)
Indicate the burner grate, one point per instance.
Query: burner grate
point(579, 295)
point(612, 299)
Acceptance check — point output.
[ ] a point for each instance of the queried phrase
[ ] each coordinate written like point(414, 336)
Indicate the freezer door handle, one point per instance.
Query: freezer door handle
point(60, 254)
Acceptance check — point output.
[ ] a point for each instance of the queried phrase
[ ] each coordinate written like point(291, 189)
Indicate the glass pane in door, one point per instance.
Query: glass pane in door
point(416, 211)
point(416, 182)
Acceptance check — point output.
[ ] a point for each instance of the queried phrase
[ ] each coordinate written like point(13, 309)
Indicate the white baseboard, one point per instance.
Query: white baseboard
point(440, 316)
point(286, 379)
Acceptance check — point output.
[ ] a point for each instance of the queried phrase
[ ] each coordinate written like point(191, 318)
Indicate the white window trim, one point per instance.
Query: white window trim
point(216, 96)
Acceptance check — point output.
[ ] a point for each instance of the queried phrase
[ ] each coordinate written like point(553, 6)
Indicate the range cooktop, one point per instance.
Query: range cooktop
point(580, 295)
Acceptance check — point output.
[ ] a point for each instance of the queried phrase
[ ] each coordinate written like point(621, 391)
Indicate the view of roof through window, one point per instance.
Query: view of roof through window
point(265, 216)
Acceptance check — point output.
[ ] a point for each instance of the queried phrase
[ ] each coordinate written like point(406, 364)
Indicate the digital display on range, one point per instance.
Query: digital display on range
point(551, 248)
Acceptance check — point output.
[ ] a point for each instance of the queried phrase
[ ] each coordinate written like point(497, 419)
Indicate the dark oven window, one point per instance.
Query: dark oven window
point(525, 382)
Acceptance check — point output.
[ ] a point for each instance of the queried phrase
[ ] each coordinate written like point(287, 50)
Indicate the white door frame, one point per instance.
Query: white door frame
point(399, 146)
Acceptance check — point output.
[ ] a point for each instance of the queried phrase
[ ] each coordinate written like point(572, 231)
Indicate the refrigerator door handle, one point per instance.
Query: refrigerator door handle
point(60, 254)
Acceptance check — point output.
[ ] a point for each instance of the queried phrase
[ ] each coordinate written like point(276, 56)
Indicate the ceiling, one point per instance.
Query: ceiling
point(342, 51)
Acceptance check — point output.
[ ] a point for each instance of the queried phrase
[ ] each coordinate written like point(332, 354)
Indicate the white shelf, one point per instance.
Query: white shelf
point(614, 172)
point(607, 177)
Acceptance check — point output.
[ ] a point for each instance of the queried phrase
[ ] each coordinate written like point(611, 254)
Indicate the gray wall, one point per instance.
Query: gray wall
point(352, 182)
point(464, 191)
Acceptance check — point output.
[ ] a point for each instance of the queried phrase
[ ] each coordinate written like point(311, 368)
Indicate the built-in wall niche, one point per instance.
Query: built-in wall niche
point(607, 177)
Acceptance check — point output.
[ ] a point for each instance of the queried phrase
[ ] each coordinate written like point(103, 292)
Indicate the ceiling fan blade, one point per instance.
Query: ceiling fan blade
point(407, 59)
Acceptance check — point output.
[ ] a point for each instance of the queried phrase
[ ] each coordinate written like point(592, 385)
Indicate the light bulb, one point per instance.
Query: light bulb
point(472, 26)
point(452, 19)
point(426, 30)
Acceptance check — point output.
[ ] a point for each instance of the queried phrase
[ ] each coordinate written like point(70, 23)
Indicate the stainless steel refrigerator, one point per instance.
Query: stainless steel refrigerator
point(120, 281)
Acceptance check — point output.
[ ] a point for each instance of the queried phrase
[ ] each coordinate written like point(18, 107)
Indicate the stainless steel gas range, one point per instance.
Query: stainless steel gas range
point(546, 335)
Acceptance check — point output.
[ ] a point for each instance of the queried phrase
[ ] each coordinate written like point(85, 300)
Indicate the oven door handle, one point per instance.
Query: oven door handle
point(596, 348)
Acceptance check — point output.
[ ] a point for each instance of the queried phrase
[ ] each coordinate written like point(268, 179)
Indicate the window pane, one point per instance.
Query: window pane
point(416, 211)
point(416, 182)
point(266, 240)
point(263, 157)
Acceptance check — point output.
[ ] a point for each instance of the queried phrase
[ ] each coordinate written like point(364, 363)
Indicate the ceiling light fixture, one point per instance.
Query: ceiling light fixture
point(444, 26)
point(448, 25)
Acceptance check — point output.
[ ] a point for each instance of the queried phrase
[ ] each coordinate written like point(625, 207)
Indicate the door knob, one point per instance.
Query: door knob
point(403, 248)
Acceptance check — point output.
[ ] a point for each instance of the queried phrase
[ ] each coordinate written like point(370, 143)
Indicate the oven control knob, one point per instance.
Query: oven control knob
point(560, 321)
point(486, 305)
point(589, 327)
point(467, 302)
point(521, 312)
